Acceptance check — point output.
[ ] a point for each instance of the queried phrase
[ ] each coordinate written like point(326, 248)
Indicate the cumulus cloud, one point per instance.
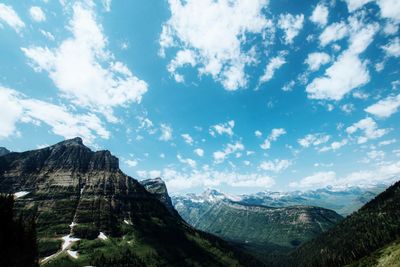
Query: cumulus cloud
point(275, 165)
point(313, 139)
point(188, 161)
point(320, 15)
point(392, 49)
point(385, 107)
point(222, 128)
point(317, 180)
point(84, 70)
point(273, 65)
point(334, 32)
point(187, 138)
point(37, 14)
point(166, 132)
point(291, 25)
point(386, 172)
point(257, 133)
point(353, 5)
point(10, 17)
point(210, 36)
point(199, 152)
point(334, 146)
point(221, 155)
point(182, 181)
point(316, 60)
point(131, 162)
point(369, 130)
point(275, 134)
point(348, 71)
point(18, 108)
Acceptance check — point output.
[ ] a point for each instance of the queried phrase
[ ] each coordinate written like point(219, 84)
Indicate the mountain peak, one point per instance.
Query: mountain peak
point(158, 188)
point(73, 141)
point(4, 151)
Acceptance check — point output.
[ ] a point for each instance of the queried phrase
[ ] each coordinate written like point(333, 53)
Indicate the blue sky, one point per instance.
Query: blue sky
point(243, 96)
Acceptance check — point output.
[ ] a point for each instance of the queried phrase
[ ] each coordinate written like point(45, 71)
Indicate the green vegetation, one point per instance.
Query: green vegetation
point(48, 246)
point(372, 227)
point(388, 256)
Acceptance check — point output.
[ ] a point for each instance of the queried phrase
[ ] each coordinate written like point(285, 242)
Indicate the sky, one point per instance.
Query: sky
point(238, 95)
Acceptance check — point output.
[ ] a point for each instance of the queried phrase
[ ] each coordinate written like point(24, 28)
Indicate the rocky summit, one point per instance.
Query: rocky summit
point(158, 188)
point(88, 212)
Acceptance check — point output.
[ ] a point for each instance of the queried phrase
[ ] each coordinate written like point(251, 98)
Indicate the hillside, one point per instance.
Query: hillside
point(375, 225)
point(88, 212)
point(256, 228)
point(388, 256)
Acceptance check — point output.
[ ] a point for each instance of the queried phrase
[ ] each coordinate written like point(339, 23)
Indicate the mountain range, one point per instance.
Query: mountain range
point(88, 212)
point(82, 210)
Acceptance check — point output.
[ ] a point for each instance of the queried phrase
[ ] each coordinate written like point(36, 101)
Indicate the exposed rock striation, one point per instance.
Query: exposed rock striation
point(73, 192)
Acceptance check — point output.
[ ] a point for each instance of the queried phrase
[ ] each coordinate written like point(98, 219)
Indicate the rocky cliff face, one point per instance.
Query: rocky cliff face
point(158, 188)
point(76, 194)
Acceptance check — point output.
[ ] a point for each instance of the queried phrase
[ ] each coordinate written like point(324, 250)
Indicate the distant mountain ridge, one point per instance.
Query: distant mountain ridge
point(343, 201)
point(88, 212)
point(372, 227)
point(256, 228)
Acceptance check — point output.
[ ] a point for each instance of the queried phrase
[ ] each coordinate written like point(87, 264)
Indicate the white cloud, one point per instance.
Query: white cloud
point(187, 138)
point(274, 64)
point(166, 132)
point(387, 142)
point(182, 181)
point(392, 49)
point(291, 25)
point(48, 35)
point(320, 15)
point(214, 33)
point(383, 173)
point(353, 5)
point(188, 161)
point(182, 58)
point(369, 128)
point(390, 9)
point(17, 108)
point(289, 86)
point(220, 156)
point(131, 162)
point(333, 33)
point(275, 134)
point(348, 108)
point(276, 165)
point(37, 14)
point(10, 17)
point(348, 71)
point(385, 107)
point(199, 152)
point(334, 146)
point(84, 70)
point(223, 128)
point(316, 60)
point(376, 154)
point(258, 133)
point(106, 5)
point(313, 139)
point(317, 180)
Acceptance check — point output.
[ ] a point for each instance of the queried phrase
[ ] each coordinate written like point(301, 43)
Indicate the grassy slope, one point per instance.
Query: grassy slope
point(388, 256)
